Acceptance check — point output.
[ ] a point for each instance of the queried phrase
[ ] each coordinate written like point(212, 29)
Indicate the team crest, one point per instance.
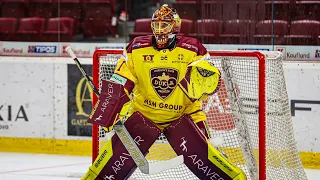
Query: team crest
point(164, 81)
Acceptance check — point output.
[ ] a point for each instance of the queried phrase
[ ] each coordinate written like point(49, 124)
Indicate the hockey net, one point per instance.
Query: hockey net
point(250, 112)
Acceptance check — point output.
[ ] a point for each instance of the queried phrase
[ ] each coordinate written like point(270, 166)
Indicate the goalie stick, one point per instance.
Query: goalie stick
point(124, 136)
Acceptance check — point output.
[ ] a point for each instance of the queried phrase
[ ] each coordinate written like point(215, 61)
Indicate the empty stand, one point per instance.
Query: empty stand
point(186, 9)
point(237, 32)
point(58, 29)
point(97, 18)
point(7, 28)
point(141, 27)
point(30, 29)
point(307, 9)
point(42, 8)
point(186, 27)
point(264, 32)
point(282, 9)
point(208, 30)
point(72, 9)
point(230, 10)
point(14, 8)
point(303, 32)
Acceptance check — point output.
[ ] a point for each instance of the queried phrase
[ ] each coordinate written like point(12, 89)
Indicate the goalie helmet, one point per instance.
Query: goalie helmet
point(165, 24)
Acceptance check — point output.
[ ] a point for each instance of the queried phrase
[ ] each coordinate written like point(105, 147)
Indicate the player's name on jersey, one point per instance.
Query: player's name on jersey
point(161, 105)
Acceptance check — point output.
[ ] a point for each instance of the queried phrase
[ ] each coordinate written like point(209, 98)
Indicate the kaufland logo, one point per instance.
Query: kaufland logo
point(317, 55)
point(42, 49)
point(12, 50)
point(76, 51)
point(282, 50)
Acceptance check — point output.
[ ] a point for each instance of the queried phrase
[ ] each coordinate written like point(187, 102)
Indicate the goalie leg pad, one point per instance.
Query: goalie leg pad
point(199, 155)
point(114, 161)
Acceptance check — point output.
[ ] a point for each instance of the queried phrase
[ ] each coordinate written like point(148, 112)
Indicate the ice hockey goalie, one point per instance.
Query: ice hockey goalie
point(168, 76)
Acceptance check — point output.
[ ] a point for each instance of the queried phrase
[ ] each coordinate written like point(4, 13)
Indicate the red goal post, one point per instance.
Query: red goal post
point(241, 105)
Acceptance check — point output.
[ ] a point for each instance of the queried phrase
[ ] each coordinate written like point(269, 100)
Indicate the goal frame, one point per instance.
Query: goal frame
point(261, 90)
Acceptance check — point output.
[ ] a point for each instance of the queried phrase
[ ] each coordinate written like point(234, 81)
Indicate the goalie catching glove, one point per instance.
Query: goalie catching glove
point(106, 111)
point(201, 79)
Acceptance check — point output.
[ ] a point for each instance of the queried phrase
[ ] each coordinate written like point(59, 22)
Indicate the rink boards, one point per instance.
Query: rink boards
point(45, 104)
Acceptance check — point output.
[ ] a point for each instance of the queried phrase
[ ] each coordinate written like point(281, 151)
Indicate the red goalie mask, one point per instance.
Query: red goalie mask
point(165, 23)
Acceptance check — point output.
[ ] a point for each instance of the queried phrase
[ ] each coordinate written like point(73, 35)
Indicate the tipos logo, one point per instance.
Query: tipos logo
point(164, 81)
point(82, 91)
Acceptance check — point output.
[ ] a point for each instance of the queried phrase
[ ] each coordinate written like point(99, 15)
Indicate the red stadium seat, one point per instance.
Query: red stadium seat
point(282, 9)
point(141, 27)
point(98, 9)
point(237, 32)
point(208, 30)
point(30, 29)
point(230, 10)
point(98, 17)
point(7, 28)
point(72, 9)
point(97, 27)
point(186, 9)
point(307, 9)
point(303, 32)
point(58, 29)
point(14, 8)
point(264, 32)
point(186, 27)
point(42, 8)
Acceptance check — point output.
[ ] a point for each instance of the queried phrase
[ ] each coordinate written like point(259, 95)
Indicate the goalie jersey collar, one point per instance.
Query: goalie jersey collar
point(187, 43)
point(147, 41)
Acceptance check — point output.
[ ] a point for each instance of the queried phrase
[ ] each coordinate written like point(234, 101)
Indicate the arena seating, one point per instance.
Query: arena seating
point(58, 29)
point(307, 9)
point(72, 9)
point(237, 32)
point(242, 22)
point(42, 8)
point(282, 9)
point(141, 27)
point(186, 27)
point(7, 28)
point(208, 30)
point(303, 32)
point(30, 29)
point(97, 18)
point(14, 8)
point(186, 9)
point(264, 33)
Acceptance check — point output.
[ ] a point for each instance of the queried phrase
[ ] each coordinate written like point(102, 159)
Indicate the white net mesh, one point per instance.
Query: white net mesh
point(233, 116)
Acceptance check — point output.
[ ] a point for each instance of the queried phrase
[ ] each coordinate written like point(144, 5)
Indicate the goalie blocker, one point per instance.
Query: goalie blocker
point(110, 102)
point(114, 161)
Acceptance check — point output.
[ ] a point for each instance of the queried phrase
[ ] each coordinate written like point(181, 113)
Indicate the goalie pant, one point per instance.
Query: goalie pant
point(115, 163)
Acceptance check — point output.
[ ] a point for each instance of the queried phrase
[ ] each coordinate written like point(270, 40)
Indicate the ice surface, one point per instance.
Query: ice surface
point(17, 166)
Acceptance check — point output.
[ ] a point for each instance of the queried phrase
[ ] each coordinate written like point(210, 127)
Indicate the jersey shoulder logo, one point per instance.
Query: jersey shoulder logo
point(164, 81)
